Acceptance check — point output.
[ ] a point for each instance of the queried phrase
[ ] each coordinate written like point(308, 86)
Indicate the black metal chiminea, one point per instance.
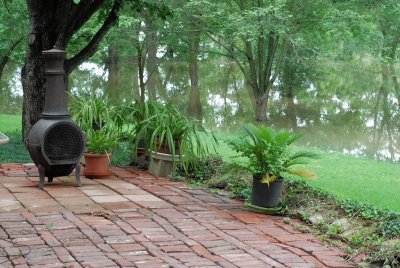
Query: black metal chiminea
point(56, 143)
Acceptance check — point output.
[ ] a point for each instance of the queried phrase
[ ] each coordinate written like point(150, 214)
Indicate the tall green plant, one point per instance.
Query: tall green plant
point(93, 112)
point(101, 142)
point(269, 153)
point(101, 122)
point(89, 112)
point(167, 126)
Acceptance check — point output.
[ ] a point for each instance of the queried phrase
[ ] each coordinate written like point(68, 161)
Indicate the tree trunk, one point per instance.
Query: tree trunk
point(32, 74)
point(291, 112)
point(151, 66)
point(288, 76)
point(53, 23)
point(194, 107)
point(140, 58)
point(169, 70)
point(141, 77)
point(135, 77)
point(261, 108)
point(112, 66)
point(250, 91)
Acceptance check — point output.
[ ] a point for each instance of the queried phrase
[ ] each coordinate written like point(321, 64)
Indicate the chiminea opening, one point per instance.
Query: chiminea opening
point(56, 143)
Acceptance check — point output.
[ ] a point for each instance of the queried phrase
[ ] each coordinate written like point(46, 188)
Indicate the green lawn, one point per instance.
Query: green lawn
point(360, 179)
point(10, 122)
point(14, 151)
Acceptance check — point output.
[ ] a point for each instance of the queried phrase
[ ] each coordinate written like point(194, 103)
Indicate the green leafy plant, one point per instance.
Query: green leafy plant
point(389, 221)
point(95, 112)
point(374, 232)
point(164, 126)
point(89, 112)
point(269, 153)
point(138, 117)
point(387, 254)
point(102, 141)
point(205, 170)
point(50, 226)
point(100, 121)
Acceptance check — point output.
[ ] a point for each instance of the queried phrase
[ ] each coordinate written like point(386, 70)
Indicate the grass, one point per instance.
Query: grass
point(360, 179)
point(10, 122)
point(13, 151)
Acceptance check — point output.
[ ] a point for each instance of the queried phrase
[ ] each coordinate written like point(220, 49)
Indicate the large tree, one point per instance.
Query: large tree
point(53, 24)
point(255, 35)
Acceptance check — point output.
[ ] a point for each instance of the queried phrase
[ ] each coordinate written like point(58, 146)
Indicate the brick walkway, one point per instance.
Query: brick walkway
point(136, 220)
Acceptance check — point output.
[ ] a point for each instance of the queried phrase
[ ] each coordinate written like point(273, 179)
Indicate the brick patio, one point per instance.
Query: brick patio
point(133, 219)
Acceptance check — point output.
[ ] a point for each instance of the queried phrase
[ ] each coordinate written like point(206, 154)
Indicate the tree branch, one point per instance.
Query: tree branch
point(76, 16)
point(253, 69)
point(6, 57)
point(225, 46)
point(232, 56)
point(82, 13)
point(272, 46)
point(216, 53)
point(92, 46)
point(279, 63)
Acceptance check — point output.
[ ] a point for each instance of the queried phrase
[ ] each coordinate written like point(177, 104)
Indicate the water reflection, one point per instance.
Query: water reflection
point(348, 107)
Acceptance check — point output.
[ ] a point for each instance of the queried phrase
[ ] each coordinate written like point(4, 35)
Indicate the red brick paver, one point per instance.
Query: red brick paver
point(133, 219)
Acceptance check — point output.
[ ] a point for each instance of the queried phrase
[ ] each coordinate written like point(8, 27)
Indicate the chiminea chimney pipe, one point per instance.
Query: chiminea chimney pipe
point(56, 100)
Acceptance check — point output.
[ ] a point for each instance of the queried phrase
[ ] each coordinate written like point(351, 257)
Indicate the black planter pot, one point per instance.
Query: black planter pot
point(266, 195)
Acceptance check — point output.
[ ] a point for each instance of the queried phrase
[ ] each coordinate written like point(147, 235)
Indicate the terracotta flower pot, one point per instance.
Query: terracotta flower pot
point(97, 166)
point(163, 147)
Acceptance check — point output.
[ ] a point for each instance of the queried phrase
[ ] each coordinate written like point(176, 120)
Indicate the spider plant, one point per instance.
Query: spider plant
point(101, 142)
point(169, 128)
point(92, 112)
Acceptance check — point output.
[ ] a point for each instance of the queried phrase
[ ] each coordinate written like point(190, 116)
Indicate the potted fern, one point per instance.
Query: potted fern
point(270, 160)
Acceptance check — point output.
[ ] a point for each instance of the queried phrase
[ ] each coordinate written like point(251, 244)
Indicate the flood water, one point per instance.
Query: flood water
point(343, 107)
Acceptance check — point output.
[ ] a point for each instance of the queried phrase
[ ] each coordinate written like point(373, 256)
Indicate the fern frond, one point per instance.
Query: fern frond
point(307, 174)
point(267, 178)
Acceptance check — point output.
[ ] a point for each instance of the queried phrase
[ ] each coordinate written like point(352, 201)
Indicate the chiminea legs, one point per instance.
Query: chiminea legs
point(78, 175)
point(42, 175)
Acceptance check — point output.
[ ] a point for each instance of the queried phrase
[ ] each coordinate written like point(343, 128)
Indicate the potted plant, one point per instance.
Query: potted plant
point(270, 160)
point(90, 111)
point(138, 115)
point(99, 145)
point(171, 137)
point(102, 124)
